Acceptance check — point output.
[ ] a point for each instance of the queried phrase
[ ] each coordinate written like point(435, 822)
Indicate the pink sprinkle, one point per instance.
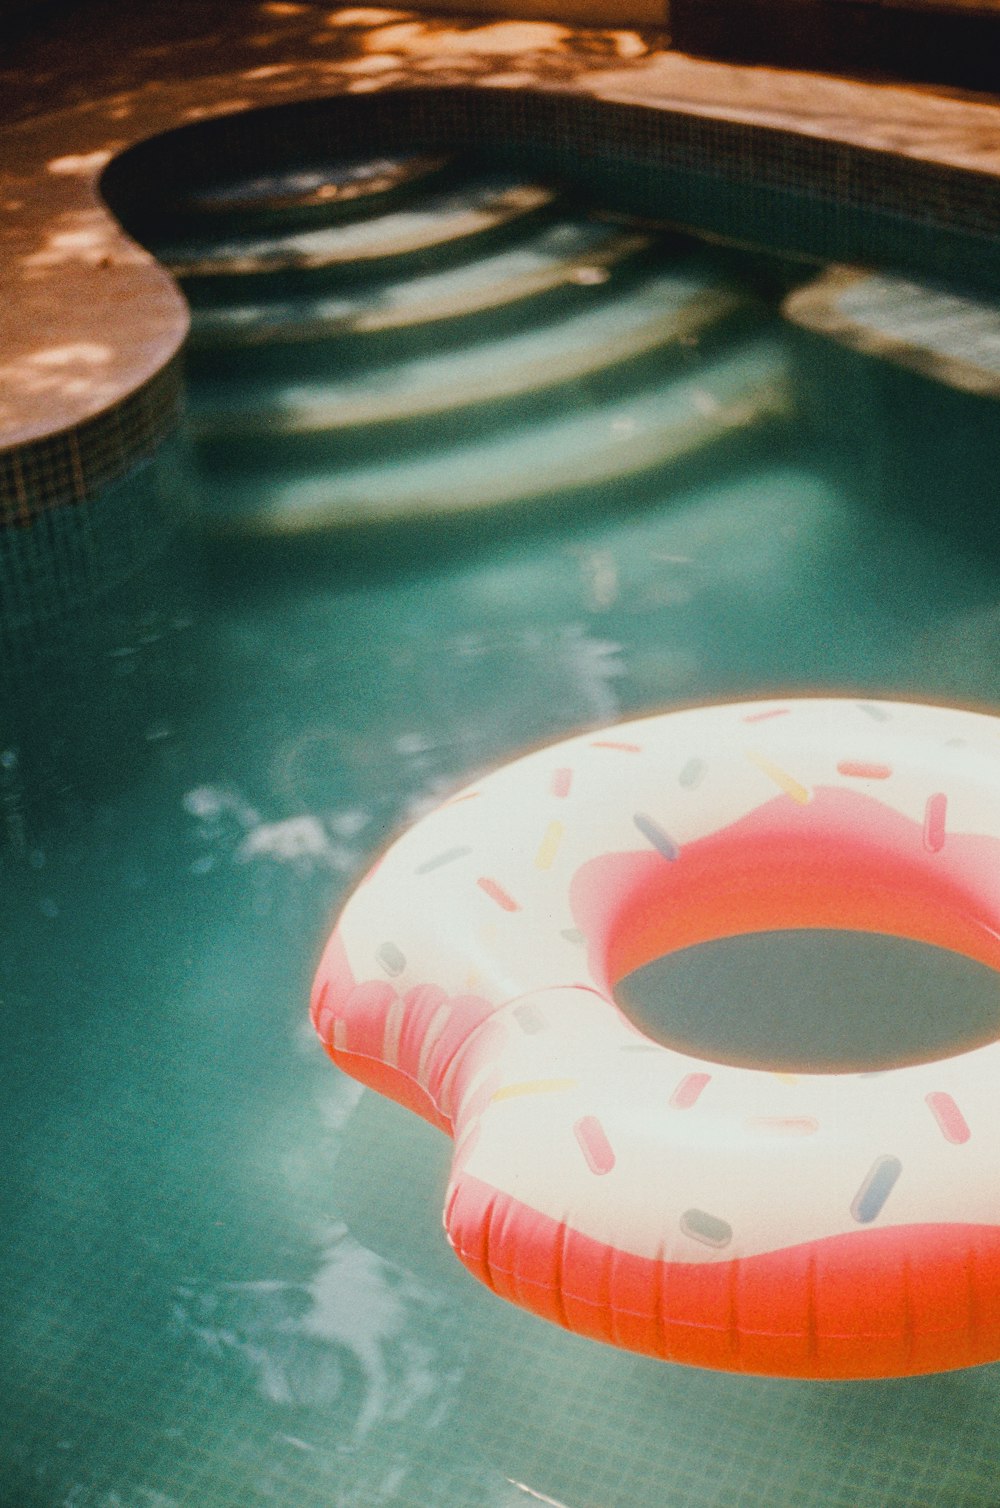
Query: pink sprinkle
point(762, 717)
point(954, 1127)
point(785, 1125)
point(561, 781)
point(934, 816)
point(688, 1090)
point(863, 771)
point(607, 743)
point(498, 893)
point(594, 1144)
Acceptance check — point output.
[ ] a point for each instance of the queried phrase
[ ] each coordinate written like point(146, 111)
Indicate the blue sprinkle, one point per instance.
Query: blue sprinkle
point(530, 1018)
point(661, 841)
point(448, 857)
point(708, 1229)
point(391, 958)
point(875, 1190)
point(878, 713)
point(692, 772)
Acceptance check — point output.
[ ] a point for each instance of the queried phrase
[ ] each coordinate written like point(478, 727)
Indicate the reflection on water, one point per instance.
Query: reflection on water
point(361, 1343)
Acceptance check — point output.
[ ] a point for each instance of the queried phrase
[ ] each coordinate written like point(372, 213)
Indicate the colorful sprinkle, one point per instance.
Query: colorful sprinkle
point(607, 743)
point(497, 893)
point(529, 1018)
point(533, 1086)
point(873, 710)
point(463, 796)
point(954, 1127)
point(870, 1198)
point(594, 1144)
point(781, 778)
point(786, 1078)
point(859, 769)
point(447, 857)
point(785, 1125)
point(935, 813)
point(549, 846)
point(561, 782)
point(688, 1090)
point(661, 841)
point(391, 959)
point(706, 1228)
point(692, 773)
point(763, 717)
point(573, 935)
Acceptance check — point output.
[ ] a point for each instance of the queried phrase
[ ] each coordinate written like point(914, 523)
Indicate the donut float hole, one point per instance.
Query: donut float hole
point(814, 1001)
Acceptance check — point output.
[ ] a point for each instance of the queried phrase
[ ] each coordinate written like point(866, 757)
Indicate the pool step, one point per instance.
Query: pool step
point(443, 222)
point(610, 443)
point(952, 338)
point(666, 312)
point(288, 197)
point(571, 254)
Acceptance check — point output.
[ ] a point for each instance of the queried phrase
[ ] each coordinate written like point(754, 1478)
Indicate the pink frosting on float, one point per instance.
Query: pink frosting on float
point(845, 860)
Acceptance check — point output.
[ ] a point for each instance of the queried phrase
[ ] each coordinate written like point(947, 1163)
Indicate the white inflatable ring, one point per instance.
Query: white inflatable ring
point(812, 1225)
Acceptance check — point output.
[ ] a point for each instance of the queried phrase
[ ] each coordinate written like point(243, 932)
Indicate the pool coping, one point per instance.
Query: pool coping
point(92, 328)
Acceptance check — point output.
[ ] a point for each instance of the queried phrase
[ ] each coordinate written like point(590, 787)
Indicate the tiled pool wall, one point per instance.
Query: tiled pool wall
point(91, 518)
point(96, 572)
point(69, 469)
point(770, 188)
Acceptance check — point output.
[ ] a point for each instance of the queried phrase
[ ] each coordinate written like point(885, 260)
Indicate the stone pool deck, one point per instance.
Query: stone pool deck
point(90, 326)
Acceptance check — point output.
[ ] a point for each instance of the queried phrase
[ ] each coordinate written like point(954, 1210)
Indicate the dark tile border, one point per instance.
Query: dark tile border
point(77, 465)
point(576, 133)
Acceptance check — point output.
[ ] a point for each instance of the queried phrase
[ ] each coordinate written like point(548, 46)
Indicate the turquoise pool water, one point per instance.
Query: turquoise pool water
point(224, 1279)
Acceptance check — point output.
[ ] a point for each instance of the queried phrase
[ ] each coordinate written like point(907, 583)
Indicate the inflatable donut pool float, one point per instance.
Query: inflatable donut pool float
point(836, 1225)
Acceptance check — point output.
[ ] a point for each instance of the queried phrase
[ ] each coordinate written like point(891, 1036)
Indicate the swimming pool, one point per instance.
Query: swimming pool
point(224, 1276)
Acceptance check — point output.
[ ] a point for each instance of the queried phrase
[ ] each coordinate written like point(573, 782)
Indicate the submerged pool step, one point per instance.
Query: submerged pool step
point(953, 338)
point(443, 222)
point(665, 312)
point(286, 197)
point(570, 254)
point(602, 444)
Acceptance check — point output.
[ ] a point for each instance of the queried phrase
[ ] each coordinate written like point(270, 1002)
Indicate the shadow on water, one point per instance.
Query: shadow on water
point(411, 546)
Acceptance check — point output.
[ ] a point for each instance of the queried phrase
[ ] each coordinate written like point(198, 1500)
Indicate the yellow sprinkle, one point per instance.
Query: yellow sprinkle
point(781, 778)
point(533, 1086)
point(472, 979)
point(549, 846)
point(787, 1078)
